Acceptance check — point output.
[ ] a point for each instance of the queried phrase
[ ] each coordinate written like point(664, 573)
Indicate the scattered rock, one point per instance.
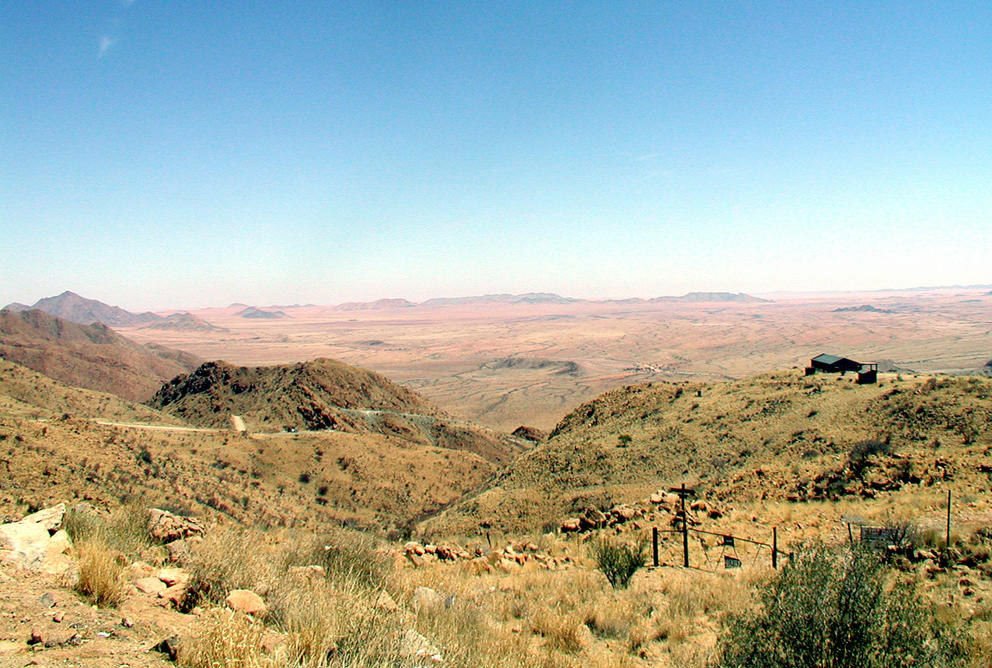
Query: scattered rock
point(584, 636)
point(246, 601)
point(531, 434)
point(53, 636)
point(414, 548)
point(592, 519)
point(173, 576)
point(312, 572)
point(57, 617)
point(621, 514)
point(178, 550)
point(47, 599)
point(127, 622)
point(29, 543)
point(273, 643)
point(571, 525)
point(167, 527)
point(174, 594)
point(49, 518)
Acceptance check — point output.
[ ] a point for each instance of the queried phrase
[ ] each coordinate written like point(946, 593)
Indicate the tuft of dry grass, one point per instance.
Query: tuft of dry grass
point(102, 578)
point(560, 631)
point(227, 559)
point(123, 530)
point(224, 638)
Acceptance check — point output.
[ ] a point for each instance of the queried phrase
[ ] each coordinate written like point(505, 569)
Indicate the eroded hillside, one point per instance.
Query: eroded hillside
point(92, 356)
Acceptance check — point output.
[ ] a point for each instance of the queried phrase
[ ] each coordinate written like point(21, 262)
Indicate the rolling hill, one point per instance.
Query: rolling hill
point(91, 356)
point(184, 322)
point(322, 395)
point(776, 437)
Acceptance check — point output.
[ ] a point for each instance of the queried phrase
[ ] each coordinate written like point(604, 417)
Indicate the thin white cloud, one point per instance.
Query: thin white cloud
point(106, 41)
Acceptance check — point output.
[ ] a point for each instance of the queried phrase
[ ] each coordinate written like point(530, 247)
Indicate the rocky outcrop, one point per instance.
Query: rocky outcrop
point(167, 527)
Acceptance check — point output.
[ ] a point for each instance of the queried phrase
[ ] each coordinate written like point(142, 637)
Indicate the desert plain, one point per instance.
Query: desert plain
point(510, 362)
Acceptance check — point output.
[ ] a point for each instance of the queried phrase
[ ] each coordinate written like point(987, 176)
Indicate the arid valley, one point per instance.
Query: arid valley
point(448, 483)
point(505, 361)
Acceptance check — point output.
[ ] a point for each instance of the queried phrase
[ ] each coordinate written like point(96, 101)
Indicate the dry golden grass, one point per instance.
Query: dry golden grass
point(102, 577)
point(224, 638)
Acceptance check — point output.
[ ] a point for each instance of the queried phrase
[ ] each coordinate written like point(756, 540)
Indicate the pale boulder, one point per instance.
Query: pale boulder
point(246, 601)
point(28, 543)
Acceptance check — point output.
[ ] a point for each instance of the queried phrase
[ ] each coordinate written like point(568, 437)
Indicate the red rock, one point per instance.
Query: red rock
point(149, 585)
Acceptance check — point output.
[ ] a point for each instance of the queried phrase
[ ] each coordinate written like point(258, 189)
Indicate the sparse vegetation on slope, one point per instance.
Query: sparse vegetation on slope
point(54, 445)
point(772, 437)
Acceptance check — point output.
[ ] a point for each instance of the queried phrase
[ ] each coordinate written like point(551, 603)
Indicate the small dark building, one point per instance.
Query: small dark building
point(833, 364)
point(826, 363)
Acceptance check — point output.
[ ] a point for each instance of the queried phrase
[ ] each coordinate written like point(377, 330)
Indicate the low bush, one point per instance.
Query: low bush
point(619, 561)
point(345, 555)
point(861, 453)
point(833, 609)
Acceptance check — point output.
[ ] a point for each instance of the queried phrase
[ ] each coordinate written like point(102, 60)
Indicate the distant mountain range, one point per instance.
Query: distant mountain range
point(526, 298)
point(70, 306)
point(74, 308)
point(372, 306)
point(738, 297)
point(545, 298)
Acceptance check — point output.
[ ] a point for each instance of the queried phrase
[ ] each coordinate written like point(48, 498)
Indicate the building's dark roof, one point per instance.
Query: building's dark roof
point(826, 358)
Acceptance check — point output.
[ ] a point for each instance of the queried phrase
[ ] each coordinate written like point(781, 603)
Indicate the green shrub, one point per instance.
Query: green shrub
point(830, 609)
point(619, 561)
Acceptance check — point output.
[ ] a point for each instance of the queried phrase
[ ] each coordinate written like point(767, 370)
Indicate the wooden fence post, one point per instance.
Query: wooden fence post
point(947, 541)
point(685, 530)
point(654, 543)
point(775, 547)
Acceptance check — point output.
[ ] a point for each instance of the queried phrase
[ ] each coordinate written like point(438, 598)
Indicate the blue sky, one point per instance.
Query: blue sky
point(167, 154)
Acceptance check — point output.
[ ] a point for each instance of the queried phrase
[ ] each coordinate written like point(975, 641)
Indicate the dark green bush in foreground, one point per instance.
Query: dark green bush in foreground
point(618, 561)
point(831, 609)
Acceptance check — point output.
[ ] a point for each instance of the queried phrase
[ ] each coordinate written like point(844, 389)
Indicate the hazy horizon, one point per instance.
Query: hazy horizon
point(785, 295)
point(157, 155)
